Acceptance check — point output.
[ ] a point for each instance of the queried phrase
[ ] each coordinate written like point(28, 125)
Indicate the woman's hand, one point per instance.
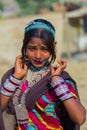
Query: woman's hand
point(57, 70)
point(21, 69)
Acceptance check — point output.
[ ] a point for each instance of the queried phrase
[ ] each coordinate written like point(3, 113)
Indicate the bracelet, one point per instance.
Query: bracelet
point(61, 88)
point(53, 76)
point(62, 91)
point(17, 78)
point(10, 86)
point(59, 80)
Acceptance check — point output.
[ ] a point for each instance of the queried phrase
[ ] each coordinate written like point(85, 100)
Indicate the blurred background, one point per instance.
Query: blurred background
point(69, 18)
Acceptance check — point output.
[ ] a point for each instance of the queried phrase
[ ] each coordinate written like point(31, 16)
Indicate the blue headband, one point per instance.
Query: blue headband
point(37, 25)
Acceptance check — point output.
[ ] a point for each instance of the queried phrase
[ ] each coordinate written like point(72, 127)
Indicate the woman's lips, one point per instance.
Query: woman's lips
point(38, 61)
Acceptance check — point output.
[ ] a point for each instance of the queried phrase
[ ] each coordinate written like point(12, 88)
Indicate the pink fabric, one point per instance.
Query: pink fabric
point(24, 86)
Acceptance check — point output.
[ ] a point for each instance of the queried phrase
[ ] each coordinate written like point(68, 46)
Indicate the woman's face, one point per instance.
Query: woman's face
point(37, 52)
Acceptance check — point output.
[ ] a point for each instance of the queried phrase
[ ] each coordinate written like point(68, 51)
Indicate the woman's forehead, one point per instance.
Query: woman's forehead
point(36, 41)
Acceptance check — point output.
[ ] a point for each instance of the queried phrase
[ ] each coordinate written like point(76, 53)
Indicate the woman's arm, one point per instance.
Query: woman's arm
point(10, 84)
point(71, 102)
point(73, 106)
point(4, 101)
point(75, 110)
point(7, 89)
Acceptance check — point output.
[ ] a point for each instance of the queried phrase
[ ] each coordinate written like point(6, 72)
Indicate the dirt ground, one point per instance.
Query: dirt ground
point(11, 35)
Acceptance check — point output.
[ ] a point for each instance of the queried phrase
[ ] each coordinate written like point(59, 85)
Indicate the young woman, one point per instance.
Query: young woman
point(41, 96)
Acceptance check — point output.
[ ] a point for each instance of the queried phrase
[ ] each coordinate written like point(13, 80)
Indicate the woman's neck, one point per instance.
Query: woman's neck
point(36, 69)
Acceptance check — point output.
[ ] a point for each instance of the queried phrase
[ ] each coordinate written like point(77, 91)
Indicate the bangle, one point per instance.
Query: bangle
point(53, 76)
point(10, 85)
point(59, 80)
point(16, 78)
point(62, 91)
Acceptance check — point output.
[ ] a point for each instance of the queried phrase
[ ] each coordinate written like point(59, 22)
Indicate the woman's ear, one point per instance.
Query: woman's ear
point(55, 43)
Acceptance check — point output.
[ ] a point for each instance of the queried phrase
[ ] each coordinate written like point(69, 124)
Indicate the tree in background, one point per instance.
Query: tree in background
point(33, 6)
point(1, 5)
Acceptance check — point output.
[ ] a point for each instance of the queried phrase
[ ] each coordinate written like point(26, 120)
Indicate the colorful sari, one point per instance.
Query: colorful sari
point(45, 110)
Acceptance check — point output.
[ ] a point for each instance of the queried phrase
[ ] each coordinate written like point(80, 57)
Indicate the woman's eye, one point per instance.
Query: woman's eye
point(31, 48)
point(44, 48)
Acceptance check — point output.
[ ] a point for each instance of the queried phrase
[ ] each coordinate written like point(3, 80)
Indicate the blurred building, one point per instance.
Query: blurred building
point(10, 8)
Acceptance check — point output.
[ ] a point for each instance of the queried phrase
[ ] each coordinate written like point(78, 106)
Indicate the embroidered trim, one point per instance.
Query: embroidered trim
point(19, 98)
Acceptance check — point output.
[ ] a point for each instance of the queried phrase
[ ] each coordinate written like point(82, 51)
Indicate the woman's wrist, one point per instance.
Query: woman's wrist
point(10, 85)
point(16, 80)
point(17, 76)
point(55, 79)
point(61, 89)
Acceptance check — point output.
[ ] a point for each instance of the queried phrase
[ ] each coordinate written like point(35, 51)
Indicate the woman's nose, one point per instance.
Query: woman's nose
point(38, 54)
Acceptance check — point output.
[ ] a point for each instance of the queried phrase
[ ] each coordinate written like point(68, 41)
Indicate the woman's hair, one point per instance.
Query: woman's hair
point(44, 30)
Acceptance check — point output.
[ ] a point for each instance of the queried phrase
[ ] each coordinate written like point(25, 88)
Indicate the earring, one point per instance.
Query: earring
point(26, 60)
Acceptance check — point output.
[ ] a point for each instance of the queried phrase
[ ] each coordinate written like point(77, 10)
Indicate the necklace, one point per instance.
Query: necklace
point(33, 75)
point(19, 96)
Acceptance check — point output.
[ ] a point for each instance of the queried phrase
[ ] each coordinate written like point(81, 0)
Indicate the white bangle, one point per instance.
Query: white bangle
point(59, 80)
point(10, 86)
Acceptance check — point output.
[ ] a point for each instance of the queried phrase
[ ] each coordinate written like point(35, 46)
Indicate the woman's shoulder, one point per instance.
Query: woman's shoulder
point(66, 76)
point(69, 79)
